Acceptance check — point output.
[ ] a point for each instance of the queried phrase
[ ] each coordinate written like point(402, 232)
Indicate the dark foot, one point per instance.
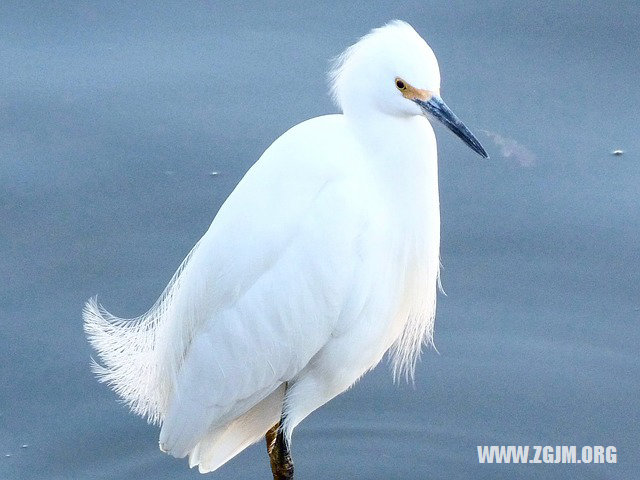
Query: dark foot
point(281, 462)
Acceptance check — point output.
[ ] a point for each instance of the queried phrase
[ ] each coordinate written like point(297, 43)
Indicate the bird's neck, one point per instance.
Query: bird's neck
point(402, 154)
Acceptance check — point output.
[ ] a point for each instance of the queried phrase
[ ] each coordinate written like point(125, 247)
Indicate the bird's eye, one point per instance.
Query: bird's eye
point(400, 84)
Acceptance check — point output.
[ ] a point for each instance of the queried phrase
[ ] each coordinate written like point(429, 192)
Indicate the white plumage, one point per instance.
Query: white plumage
point(324, 257)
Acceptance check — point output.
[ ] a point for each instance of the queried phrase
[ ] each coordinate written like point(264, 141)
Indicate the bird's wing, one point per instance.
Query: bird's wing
point(264, 289)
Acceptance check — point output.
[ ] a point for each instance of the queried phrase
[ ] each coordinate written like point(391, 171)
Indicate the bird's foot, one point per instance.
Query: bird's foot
point(279, 454)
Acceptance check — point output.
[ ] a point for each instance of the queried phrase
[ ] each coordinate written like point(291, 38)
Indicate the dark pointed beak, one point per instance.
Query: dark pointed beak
point(436, 108)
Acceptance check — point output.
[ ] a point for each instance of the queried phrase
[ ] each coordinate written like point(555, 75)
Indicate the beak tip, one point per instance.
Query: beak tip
point(479, 149)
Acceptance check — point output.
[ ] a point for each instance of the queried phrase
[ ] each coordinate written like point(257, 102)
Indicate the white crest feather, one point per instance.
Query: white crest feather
point(342, 64)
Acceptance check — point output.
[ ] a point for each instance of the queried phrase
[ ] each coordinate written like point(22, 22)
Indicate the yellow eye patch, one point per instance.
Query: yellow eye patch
point(410, 92)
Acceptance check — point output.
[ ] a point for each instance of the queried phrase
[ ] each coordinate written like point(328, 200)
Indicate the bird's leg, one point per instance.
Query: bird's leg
point(279, 454)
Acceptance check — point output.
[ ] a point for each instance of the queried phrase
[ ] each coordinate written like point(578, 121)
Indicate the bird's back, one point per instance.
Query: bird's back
point(259, 295)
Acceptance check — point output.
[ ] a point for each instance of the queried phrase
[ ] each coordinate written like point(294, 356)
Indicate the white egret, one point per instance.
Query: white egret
point(324, 257)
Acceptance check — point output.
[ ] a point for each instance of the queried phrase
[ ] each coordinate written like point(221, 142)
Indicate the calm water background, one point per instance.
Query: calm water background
point(112, 117)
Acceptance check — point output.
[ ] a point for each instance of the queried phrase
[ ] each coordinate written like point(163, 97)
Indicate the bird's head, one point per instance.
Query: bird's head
point(393, 71)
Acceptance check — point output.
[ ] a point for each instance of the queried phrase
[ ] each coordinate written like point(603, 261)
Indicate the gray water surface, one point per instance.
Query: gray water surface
point(113, 115)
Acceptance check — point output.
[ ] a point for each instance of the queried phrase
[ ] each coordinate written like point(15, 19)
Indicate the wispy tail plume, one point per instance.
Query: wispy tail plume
point(133, 359)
